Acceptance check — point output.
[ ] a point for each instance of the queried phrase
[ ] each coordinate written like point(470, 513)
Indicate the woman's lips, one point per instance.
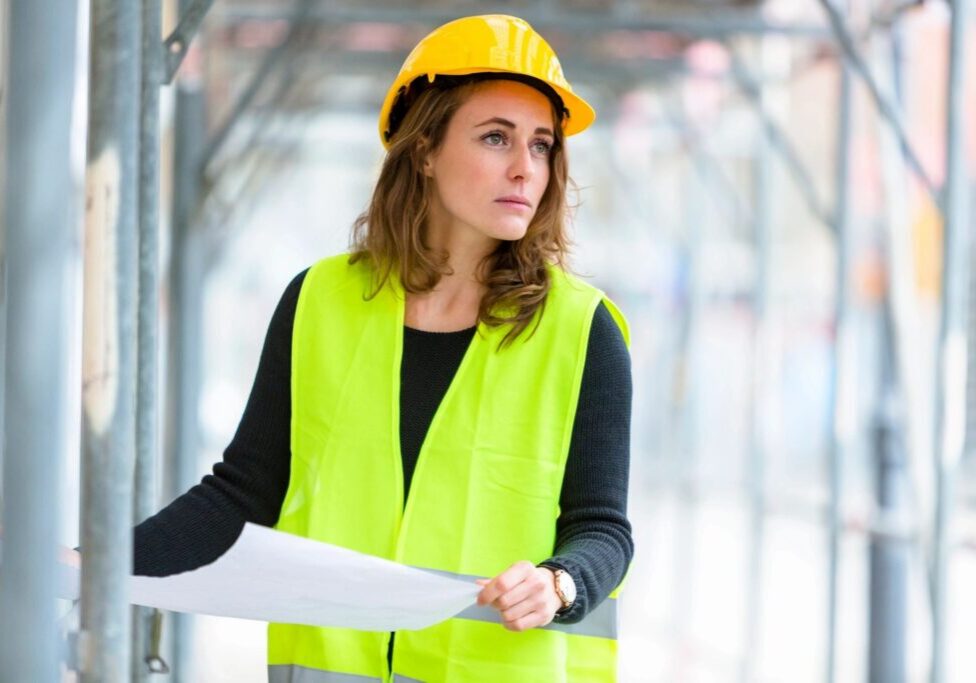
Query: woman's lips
point(518, 204)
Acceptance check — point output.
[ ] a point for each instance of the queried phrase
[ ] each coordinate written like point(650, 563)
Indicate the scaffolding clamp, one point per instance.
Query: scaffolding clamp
point(154, 660)
point(178, 43)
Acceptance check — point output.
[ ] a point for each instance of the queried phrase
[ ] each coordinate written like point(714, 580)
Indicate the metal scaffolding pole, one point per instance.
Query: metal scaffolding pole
point(178, 43)
point(277, 58)
point(780, 143)
point(686, 420)
point(4, 85)
point(40, 227)
point(950, 396)
point(714, 23)
point(888, 110)
point(889, 559)
point(839, 408)
point(145, 657)
point(109, 343)
point(184, 360)
point(756, 474)
point(889, 555)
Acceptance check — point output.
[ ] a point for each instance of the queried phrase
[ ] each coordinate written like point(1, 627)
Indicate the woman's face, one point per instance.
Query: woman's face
point(492, 167)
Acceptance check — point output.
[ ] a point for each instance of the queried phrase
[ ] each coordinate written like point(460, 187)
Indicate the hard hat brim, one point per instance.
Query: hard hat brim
point(580, 114)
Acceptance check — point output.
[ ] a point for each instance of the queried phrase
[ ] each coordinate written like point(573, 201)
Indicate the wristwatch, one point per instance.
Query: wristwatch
point(565, 588)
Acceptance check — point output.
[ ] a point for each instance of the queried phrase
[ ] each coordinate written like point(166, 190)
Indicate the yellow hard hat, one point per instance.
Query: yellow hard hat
point(486, 44)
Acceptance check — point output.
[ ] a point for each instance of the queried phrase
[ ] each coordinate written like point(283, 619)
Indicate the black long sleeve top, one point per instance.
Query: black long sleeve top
point(594, 542)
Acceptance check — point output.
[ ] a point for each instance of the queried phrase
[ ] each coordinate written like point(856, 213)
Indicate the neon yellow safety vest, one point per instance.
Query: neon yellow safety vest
point(484, 495)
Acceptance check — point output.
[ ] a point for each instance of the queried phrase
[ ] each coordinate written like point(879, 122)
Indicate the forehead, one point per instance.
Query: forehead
point(520, 103)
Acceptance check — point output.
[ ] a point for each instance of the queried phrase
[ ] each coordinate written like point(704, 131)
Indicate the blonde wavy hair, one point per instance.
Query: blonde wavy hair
point(391, 233)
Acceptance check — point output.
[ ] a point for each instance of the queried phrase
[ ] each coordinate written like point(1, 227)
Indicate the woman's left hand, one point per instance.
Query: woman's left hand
point(524, 594)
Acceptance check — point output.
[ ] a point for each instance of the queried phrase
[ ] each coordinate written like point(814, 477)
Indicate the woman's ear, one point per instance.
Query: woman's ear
point(425, 154)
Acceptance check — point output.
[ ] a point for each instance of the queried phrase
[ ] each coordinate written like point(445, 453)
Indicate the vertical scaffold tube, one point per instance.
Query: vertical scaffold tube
point(39, 221)
point(147, 409)
point(841, 411)
point(950, 397)
point(109, 343)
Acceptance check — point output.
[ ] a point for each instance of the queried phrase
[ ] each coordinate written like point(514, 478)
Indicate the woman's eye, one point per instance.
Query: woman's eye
point(541, 147)
point(494, 139)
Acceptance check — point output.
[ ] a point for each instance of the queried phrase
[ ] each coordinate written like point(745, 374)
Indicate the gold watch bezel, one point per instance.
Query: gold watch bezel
point(567, 603)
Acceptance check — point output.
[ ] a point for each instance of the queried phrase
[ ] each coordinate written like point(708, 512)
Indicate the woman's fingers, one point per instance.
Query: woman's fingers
point(521, 594)
point(505, 582)
point(510, 601)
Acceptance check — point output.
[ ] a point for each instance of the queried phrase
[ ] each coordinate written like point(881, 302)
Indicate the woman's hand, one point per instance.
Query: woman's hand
point(524, 594)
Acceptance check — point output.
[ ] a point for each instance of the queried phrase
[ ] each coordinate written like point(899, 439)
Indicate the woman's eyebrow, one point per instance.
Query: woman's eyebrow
point(508, 124)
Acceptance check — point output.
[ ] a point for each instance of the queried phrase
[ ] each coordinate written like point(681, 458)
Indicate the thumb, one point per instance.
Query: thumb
point(482, 582)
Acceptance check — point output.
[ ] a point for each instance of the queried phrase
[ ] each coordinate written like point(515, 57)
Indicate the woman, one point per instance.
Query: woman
point(451, 357)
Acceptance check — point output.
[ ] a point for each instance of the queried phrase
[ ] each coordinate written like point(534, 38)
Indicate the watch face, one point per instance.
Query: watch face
point(567, 586)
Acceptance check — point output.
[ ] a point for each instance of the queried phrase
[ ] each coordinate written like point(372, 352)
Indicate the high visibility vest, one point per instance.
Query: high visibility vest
point(484, 495)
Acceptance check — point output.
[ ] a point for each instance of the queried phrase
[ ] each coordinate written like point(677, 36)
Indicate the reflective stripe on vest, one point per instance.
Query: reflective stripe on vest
point(292, 673)
point(600, 623)
point(485, 491)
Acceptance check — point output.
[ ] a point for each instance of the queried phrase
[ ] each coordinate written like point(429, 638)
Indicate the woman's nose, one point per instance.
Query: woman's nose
point(521, 166)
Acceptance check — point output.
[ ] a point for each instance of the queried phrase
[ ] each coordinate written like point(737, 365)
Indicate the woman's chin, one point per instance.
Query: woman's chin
point(508, 233)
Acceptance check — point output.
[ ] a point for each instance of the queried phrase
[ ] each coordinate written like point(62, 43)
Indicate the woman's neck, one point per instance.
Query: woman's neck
point(452, 305)
point(454, 302)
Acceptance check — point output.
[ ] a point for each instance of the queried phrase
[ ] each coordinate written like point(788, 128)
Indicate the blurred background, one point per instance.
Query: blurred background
point(776, 192)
